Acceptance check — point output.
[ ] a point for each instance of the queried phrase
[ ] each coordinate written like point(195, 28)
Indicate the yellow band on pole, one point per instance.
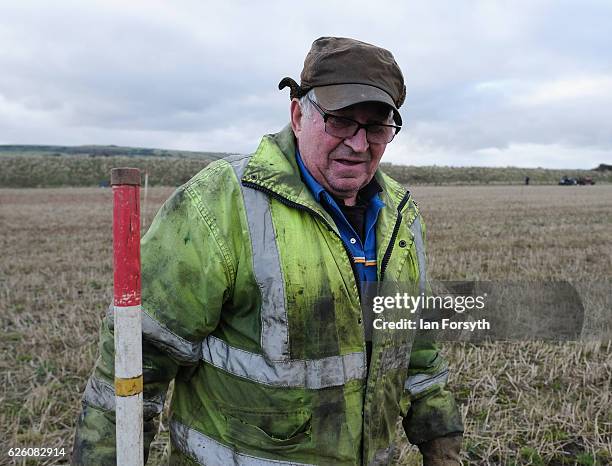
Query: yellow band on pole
point(128, 387)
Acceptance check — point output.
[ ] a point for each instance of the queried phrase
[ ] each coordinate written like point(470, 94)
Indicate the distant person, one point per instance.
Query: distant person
point(526, 180)
point(251, 278)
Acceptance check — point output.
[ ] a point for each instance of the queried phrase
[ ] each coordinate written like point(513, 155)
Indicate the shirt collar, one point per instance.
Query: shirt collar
point(364, 195)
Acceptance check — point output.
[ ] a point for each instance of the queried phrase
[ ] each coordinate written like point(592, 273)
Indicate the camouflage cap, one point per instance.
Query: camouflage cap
point(345, 72)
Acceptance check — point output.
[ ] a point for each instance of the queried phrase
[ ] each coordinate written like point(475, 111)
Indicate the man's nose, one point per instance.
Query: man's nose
point(358, 142)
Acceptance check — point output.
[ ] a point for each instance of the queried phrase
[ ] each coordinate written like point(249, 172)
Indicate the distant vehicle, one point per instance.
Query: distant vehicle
point(584, 180)
point(570, 181)
point(567, 181)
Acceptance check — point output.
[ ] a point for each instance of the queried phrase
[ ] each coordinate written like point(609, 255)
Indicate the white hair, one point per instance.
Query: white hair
point(305, 104)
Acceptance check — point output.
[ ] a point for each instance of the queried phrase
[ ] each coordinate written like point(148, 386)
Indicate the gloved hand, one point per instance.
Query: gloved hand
point(442, 451)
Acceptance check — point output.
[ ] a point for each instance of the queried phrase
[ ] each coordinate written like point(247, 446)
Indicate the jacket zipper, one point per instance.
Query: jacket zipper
point(398, 222)
point(383, 266)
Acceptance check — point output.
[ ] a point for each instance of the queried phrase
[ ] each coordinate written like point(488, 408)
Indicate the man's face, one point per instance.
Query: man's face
point(341, 166)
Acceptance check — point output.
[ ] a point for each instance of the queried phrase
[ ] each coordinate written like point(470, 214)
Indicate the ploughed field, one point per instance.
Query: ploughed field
point(523, 402)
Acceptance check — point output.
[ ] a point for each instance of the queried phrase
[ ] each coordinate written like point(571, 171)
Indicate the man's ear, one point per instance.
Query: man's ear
point(296, 117)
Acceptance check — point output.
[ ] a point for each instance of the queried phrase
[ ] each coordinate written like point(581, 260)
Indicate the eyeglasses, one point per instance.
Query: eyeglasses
point(342, 127)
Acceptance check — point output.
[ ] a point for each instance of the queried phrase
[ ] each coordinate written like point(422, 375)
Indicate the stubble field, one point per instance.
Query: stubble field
point(523, 402)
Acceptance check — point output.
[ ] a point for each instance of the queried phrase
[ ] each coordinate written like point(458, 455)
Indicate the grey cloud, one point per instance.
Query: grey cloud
point(203, 76)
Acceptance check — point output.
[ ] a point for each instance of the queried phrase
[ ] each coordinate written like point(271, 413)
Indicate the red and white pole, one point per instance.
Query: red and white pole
point(128, 317)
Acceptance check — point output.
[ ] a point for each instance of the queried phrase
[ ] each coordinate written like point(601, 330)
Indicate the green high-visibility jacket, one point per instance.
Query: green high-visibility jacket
point(250, 304)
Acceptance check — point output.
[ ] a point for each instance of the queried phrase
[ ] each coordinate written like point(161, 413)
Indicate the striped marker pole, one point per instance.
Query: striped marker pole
point(128, 318)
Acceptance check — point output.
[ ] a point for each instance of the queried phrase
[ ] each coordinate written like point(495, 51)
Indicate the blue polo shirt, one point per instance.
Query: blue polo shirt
point(363, 252)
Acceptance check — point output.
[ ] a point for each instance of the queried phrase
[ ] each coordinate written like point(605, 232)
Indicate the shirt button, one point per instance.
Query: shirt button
point(352, 240)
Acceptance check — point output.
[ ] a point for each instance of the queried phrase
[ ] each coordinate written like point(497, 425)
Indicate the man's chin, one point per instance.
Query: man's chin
point(346, 188)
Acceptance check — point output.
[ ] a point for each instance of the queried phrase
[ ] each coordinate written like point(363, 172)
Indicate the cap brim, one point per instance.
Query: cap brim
point(337, 96)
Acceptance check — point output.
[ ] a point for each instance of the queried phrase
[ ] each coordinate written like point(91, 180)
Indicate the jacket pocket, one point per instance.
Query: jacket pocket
point(268, 429)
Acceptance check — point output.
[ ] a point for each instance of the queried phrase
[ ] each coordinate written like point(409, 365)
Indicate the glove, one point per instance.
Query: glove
point(442, 451)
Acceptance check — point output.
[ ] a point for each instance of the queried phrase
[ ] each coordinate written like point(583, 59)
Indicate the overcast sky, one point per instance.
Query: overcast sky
point(522, 83)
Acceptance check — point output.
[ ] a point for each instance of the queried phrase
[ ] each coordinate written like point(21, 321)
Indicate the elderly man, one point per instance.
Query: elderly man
point(252, 286)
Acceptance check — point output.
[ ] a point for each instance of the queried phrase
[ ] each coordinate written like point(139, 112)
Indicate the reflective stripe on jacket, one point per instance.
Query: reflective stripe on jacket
point(251, 305)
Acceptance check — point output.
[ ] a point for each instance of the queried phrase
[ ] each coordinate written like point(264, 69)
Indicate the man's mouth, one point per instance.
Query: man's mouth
point(349, 162)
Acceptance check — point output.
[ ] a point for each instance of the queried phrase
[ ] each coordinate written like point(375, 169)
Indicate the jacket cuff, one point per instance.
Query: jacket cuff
point(433, 416)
